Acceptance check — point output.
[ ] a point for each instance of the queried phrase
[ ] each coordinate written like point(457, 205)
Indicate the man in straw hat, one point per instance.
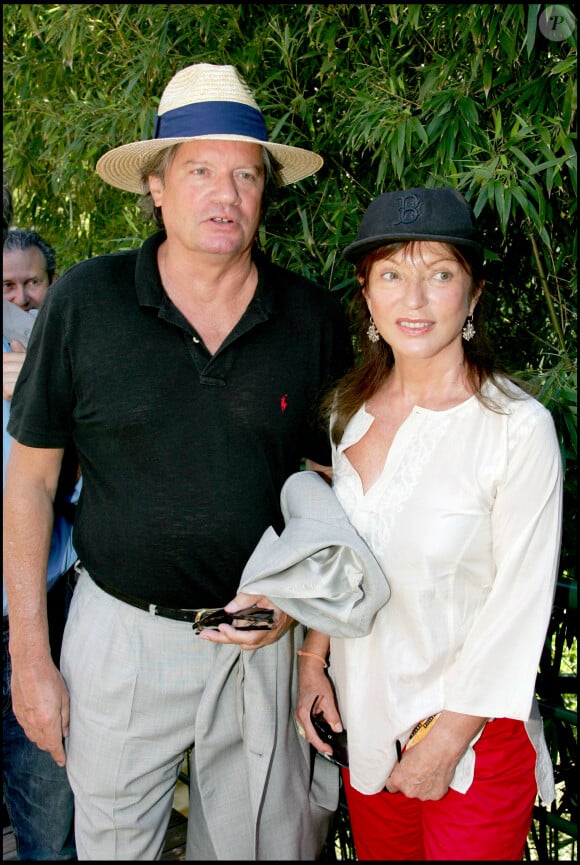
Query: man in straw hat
point(187, 373)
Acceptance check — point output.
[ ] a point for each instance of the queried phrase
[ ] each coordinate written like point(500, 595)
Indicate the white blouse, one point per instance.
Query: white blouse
point(465, 520)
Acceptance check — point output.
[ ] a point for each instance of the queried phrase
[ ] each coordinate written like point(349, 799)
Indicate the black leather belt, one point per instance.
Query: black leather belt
point(179, 615)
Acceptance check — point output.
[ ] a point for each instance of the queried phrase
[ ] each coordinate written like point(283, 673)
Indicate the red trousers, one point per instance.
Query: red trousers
point(491, 821)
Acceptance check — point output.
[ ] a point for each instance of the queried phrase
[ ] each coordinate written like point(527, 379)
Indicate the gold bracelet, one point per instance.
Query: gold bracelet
point(312, 655)
point(421, 730)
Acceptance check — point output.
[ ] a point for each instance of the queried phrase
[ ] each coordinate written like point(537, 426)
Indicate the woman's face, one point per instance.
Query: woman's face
point(419, 299)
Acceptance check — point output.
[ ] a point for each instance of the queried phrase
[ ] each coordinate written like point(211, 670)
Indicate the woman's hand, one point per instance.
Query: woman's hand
point(315, 690)
point(427, 768)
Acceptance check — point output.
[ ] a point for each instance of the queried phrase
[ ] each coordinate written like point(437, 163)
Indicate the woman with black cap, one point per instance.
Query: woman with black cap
point(452, 475)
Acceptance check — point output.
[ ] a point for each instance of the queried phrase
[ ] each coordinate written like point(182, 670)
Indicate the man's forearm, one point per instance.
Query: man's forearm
point(27, 534)
point(28, 524)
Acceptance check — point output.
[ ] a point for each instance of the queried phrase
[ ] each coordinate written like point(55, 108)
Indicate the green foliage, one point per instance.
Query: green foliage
point(391, 95)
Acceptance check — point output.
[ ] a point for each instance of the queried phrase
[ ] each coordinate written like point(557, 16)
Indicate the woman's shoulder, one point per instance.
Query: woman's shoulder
point(523, 411)
point(510, 396)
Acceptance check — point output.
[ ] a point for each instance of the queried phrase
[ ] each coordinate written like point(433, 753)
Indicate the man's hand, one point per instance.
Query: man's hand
point(12, 364)
point(41, 705)
point(249, 639)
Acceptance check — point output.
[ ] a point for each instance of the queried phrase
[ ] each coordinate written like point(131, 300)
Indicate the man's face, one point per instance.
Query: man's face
point(212, 196)
point(24, 278)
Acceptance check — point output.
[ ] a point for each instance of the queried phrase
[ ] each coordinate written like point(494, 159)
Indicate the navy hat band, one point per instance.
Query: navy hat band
point(211, 118)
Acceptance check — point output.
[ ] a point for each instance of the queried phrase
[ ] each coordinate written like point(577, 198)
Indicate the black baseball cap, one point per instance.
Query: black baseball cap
point(440, 214)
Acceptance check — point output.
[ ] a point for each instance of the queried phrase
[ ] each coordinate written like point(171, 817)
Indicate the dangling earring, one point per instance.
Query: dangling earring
point(373, 332)
point(468, 331)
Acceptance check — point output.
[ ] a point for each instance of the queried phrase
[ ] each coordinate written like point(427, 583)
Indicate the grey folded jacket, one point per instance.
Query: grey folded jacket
point(318, 570)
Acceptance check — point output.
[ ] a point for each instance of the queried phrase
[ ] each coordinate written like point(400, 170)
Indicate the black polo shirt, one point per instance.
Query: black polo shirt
point(183, 454)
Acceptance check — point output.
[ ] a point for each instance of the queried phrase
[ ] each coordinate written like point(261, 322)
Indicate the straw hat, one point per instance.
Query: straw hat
point(208, 102)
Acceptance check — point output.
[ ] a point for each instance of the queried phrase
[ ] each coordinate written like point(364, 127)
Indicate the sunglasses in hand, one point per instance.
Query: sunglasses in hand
point(258, 619)
point(336, 740)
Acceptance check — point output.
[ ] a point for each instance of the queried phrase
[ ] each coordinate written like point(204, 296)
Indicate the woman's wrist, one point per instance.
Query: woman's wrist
point(303, 653)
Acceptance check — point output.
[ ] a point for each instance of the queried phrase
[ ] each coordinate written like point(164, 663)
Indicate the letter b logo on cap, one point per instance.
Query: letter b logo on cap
point(410, 209)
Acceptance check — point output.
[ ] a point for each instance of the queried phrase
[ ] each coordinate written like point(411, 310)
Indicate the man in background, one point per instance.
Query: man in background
point(37, 794)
